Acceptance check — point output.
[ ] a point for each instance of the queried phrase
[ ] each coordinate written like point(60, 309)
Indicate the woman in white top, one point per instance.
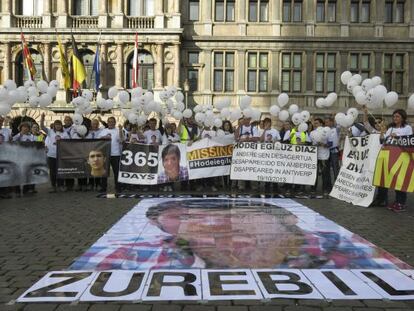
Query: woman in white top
point(170, 136)
point(398, 127)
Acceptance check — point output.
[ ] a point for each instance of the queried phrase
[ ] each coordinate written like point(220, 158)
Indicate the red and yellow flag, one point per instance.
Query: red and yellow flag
point(27, 59)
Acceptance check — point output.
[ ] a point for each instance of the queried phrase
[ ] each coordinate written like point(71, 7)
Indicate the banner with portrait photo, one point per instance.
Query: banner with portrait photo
point(23, 163)
point(84, 158)
point(139, 164)
point(172, 163)
point(354, 181)
point(274, 162)
point(394, 168)
point(210, 157)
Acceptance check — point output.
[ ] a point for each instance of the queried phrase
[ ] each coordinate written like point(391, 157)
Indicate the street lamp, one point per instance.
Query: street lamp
point(186, 88)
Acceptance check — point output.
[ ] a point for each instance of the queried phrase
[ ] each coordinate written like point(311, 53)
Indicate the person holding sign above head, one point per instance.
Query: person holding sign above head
point(398, 127)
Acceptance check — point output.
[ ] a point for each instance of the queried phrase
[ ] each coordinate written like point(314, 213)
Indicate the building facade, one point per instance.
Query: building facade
point(219, 48)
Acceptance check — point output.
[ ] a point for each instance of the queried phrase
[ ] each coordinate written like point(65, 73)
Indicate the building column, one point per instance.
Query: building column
point(104, 60)
point(275, 16)
point(274, 75)
point(159, 66)
point(7, 62)
point(62, 18)
point(6, 14)
point(345, 17)
point(207, 90)
point(206, 17)
point(242, 18)
point(47, 14)
point(159, 14)
point(119, 66)
point(47, 61)
point(309, 9)
point(240, 72)
point(177, 66)
point(103, 14)
point(118, 21)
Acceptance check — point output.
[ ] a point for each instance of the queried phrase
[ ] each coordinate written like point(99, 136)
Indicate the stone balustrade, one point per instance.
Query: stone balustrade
point(140, 22)
point(85, 21)
point(28, 21)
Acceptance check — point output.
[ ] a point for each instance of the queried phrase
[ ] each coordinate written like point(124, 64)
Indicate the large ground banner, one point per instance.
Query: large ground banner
point(395, 164)
point(210, 157)
point(84, 158)
point(274, 162)
point(226, 249)
point(354, 182)
point(23, 163)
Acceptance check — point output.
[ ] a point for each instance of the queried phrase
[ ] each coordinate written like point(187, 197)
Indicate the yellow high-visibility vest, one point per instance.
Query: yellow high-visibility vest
point(293, 138)
point(184, 136)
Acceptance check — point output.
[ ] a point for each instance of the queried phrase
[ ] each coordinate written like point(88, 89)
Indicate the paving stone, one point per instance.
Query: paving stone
point(40, 307)
point(301, 308)
point(232, 308)
point(347, 303)
point(337, 309)
point(385, 304)
point(73, 307)
point(281, 302)
point(136, 307)
point(265, 308)
point(313, 302)
point(104, 307)
point(167, 308)
point(199, 308)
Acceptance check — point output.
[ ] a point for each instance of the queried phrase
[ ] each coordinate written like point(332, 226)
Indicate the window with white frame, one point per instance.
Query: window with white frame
point(394, 72)
point(257, 71)
point(31, 7)
point(225, 10)
point(360, 63)
point(258, 10)
point(394, 11)
point(141, 8)
point(193, 10)
point(325, 78)
point(292, 10)
point(86, 7)
point(291, 72)
point(223, 71)
point(360, 11)
point(326, 11)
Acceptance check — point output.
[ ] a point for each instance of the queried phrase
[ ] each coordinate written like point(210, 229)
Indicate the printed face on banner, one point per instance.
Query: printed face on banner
point(230, 233)
point(173, 164)
point(22, 164)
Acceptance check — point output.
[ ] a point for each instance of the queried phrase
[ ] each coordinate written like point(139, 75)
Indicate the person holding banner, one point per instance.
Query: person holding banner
point(116, 136)
point(152, 135)
point(246, 131)
point(333, 142)
point(398, 127)
point(170, 136)
point(269, 135)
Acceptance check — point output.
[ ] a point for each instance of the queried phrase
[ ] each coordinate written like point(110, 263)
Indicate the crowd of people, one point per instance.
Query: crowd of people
point(22, 129)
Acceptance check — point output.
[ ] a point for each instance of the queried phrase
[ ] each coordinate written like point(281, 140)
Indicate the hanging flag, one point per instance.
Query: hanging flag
point(135, 68)
point(78, 69)
point(27, 59)
point(64, 68)
point(97, 67)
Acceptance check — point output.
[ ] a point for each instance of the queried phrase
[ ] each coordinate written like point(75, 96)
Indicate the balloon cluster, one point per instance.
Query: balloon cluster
point(346, 120)
point(328, 101)
point(369, 92)
point(298, 118)
point(38, 94)
point(321, 134)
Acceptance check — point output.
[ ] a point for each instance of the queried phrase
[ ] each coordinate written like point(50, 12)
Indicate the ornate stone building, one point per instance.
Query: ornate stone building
point(220, 48)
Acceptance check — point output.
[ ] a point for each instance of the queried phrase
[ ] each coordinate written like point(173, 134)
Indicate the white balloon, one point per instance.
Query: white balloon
point(345, 77)
point(54, 83)
point(45, 100)
point(87, 94)
point(305, 115)
point(209, 114)
point(32, 91)
point(180, 106)
point(187, 113)
point(351, 84)
point(112, 92)
point(247, 112)
point(303, 127)
point(218, 123)
point(339, 117)
point(52, 91)
point(256, 114)
point(378, 94)
point(149, 96)
point(21, 90)
point(410, 104)
point(367, 84)
point(274, 110)
point(356, 90)
point(171, 90)
point(34, 101)
point(283, 99)
point(109, 104)
point(220, 133)
point(42, 86)
point(77, 119)
point(293, 109)
point(296, 118)
point(357, 78)
point(10, 85)
point(132, 118)
point(81, 130)
point(177, 115)
point(142, 119)
point(123, 96)
point(331, 99)
point(376, 80)
point(226, 102)
point(245, 102)
point(78, 101)
point(179, 96)
point(200, 117)
point(283, 115)
point(348, 121)
point(353, 112)
point(225, 113)
point(361, 98)
point(29, 83)
point(235, 115)
point(13, 97)
point(4, 109)
point(391, 99)
point(320, 102)
point(100, 103)
point(136, 92)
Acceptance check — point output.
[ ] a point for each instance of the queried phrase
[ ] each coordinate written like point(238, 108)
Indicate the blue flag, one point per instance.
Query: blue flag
point(97, 69)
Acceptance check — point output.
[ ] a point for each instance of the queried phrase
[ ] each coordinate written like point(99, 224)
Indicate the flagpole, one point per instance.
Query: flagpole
point(97, 50)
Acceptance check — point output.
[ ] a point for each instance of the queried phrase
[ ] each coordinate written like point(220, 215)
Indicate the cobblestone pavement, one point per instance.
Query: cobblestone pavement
point(47, 232)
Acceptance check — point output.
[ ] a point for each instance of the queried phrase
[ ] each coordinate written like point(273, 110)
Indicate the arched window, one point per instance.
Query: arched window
point(29, 7)
point(145, 71)
point(141, 7)
point(21, 71)
point(88, 57)
point(85, 7)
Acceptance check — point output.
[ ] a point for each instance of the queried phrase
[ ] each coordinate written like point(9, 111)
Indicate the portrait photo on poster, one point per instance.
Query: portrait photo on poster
point(83, 158)
point(174, 165)
point(23, 163)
